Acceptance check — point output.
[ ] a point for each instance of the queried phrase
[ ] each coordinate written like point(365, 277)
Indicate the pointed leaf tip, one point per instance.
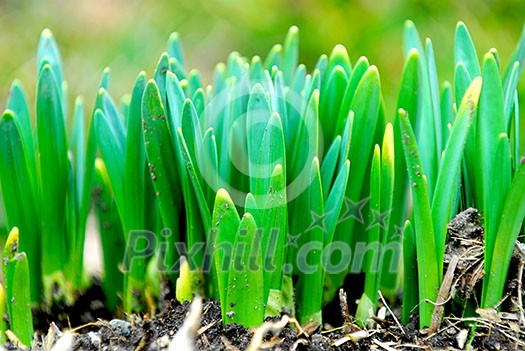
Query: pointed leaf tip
point(46, 33)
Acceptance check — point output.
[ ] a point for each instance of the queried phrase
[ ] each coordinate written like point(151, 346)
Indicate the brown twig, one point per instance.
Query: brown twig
point(392, 313)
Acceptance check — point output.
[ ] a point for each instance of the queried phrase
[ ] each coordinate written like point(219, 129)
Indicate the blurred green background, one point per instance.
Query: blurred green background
point(129, 35)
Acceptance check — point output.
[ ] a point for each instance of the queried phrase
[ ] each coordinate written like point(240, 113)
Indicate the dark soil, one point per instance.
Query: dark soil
point(481, 329)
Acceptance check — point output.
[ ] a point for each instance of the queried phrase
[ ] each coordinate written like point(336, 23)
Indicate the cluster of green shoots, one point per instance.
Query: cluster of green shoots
point(264, 189)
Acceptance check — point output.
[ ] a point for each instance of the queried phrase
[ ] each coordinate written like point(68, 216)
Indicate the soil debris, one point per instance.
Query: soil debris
point(198, 326)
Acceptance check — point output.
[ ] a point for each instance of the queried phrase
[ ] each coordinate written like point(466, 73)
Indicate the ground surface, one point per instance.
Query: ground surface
point(199, 327)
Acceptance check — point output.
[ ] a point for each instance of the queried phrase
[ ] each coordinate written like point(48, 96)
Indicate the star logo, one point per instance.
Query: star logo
point(291, 240)
point(379, 219)
point(317, 222)
point(398, 231)
point(354, 209)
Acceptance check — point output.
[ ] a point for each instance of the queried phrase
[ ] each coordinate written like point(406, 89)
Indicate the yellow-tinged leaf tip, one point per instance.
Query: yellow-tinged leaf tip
point(11, 243)
point(223, 193)
point(413, 53)
point(389, 135)
point(409, 24)
point(248, 217)
point(99, 164)
point(315, 161)
point(489, 56)
point(401, 112)
point(8, 114)
point(293, 30)
point(46, 33)
point(472, 94)
point(339, 49)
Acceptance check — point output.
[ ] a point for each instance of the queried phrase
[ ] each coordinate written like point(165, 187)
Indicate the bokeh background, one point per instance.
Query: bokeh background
point(129, 35)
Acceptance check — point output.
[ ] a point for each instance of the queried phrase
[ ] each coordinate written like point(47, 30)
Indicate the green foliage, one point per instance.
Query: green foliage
point(17, 289)
point(264, 188)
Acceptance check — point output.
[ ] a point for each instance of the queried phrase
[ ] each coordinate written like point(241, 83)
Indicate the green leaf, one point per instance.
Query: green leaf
point(54, 163)
point(161, 70)
point(271, 154)
point(112, 148)
point(321, 65)
point(462, 80)
point(518, 56)
point(330, 102)
point(464, 51)
point(17, 102)
point(407, 100)
point(345, 142)
point(18, 297)
point(3, 310)
point(274, 57)
point(290, 54)
point(184, 291)
point(174, 48)
point(371, 259)
point(134, 182)
point(246, 277)
point(250, 205)
point(194, 179)
point(429, 275)
point(257, 118)
point(225, 222)
point(510, 226)
point(387, 278)
point(424, 122)
point(210, 167)
point(434, 95)
point(357, 74)
point(162, 165)
point(339, 57)
point(508, 93)
point(48, 52)
point(111, 236)
point(329, 165)
point(274, 225)
point(306, 146)
point(74, 194)
point(18, 198)
point(199, 102)
point(278, 100)
point(366, 107)
point(309, 256)
point(410, 275)
point(448, 112)
point(85, 177)
point(194, 82)
point(500, 182)
point(334, 202)
point(9, 252)
point(175, 97)
point(412, 39)
point(446, 186)
point(256, 69)
point(490, 124)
